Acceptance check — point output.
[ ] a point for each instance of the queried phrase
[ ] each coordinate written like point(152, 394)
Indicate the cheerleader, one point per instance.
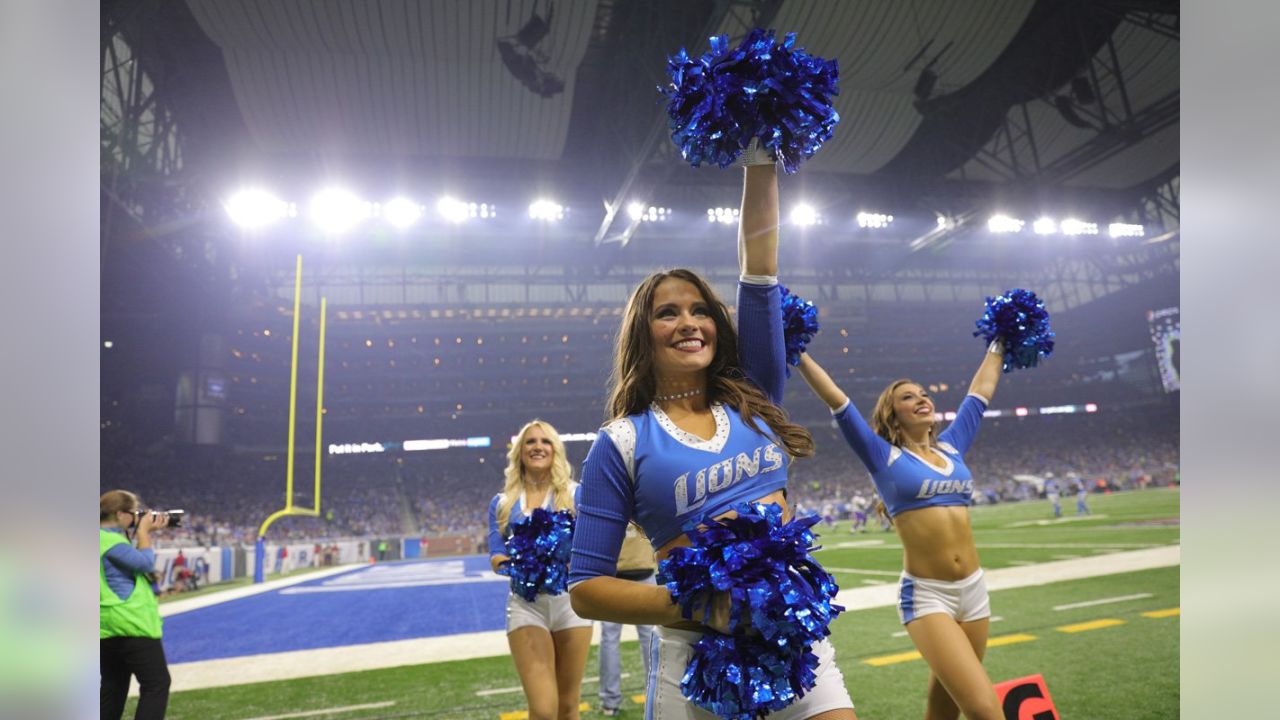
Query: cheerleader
point(696, 429)
point(926, 490)
point(549, 642)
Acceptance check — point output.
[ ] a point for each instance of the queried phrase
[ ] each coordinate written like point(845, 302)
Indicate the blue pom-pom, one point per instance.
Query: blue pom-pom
point(742, 678)
point(799, 325)
point(1018, 318)
point(774, 91)
point(781, 605)
point(539, 548)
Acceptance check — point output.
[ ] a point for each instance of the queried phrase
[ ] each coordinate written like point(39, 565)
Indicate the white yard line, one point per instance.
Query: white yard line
point(1102, 601)
point(1055, 521)
point(854, 544)
point(328, 711)
point(350, 658)
point(855, 571)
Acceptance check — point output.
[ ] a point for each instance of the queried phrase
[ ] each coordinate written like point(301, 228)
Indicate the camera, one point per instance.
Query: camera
point(175, 516)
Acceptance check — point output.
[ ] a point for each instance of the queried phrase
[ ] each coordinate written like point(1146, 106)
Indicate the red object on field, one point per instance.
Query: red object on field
point(1026, 699)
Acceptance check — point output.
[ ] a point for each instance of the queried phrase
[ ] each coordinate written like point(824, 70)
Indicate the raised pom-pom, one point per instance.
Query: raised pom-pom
point(1018, 319)
point(799, 325)
point(781, 605)
point(539, 549)
point(774, 91)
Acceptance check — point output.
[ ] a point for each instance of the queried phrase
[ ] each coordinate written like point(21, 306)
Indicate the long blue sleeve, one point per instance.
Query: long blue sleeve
point(872, 449)
point(122, 564)
point(762, 349)
point(607, 504)
point(497, 544)
point(961, 432)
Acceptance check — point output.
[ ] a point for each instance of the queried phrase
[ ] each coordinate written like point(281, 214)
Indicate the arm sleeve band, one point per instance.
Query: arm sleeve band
point(607, 505)
point(872, 449)
point(497, 544)
point(961, 432)
point(761, 348)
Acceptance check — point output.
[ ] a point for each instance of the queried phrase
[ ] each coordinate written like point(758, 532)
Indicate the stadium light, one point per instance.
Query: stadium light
point(804, 215)
point(457, 211)
point(544, 209)
point(1126, 230)
point(1071, 226)
point(874, 220)
point(723, 215)
point(255, 208)
point(401, 212)
point(336, 211)
point(638, 211)
point(1004, 224)
point(108, 344)
point(1045, 226)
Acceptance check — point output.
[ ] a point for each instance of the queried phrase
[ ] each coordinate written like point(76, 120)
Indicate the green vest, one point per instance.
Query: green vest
point(139, 616)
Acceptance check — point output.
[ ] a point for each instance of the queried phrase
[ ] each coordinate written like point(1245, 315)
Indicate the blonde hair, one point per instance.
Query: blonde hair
point(884, 420)
point(115, 501)
point(561, 475)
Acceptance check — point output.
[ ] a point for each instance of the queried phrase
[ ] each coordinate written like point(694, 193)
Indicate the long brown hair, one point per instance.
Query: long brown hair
point(633, 385)
point(884, 420)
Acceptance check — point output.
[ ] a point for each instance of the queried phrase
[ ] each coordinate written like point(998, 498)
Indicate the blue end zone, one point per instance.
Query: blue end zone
point(377, 603)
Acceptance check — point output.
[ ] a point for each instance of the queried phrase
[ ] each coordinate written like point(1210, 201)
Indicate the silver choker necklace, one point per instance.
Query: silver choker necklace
point(679, 395)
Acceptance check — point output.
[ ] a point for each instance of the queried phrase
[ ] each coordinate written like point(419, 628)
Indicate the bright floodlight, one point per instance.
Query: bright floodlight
point(546, 210)
point(336, 211)
point(723, 215)
point(638, 211)
point(255, 208)
point(1004, 224)
point(1045, 226)
point(874, 220)
point(453, 210)
point(1126, 230)
point(402, 212)
point(1071, 226)
point(803, 214)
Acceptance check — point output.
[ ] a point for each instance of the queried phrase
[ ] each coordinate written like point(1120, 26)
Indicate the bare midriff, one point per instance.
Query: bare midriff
point(777, 497)
point(937, 543)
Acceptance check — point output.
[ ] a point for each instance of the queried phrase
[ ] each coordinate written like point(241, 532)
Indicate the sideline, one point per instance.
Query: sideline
point(418, 651)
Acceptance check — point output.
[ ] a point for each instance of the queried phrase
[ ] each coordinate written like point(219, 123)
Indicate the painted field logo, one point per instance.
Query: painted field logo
point(1026, 699)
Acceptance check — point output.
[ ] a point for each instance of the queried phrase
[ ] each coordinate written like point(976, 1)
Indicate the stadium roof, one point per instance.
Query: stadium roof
point(954, 94)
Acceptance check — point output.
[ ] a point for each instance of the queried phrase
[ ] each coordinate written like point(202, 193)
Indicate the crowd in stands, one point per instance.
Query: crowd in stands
point(227, 496)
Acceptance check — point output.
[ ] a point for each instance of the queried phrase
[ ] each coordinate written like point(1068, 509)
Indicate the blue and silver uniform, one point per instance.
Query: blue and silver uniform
point(906, 481)
point(498, 537)
point(643, 467)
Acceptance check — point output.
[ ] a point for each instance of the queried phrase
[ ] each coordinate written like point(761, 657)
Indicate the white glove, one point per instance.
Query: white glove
point(757, 154)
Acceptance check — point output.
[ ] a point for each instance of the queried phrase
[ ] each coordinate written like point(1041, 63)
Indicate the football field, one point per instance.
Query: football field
point(1091, 602)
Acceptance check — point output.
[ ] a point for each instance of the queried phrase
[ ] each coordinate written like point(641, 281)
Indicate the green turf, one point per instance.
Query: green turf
point(1128, 671)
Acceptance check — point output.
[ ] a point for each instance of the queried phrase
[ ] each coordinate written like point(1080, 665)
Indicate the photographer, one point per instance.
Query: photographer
point(129, 617)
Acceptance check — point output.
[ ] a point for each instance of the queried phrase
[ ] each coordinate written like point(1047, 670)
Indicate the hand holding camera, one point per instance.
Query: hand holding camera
point(156, 519)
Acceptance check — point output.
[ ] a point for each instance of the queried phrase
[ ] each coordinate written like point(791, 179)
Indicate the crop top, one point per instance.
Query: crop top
point(644, 467)
point(498, 538)
point(907, 481)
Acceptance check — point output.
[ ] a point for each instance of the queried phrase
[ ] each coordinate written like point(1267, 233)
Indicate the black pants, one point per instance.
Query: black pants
point(124, 656)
